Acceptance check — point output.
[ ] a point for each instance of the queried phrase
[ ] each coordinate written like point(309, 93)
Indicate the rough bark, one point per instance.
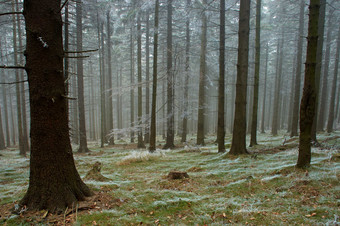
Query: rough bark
point(140, 143)
point(253, 137)
point(319, 57)
point(54, 181)
point(221, 81)
point(332, 104)
point(152, 146)
point(238, 145)
point(307, 107)
point(170, 133)
point(295, 118)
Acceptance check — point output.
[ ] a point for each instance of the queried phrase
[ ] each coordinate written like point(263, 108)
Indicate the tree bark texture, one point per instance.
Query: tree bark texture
point(307, 107)
point(54, 181)
point(238, 145)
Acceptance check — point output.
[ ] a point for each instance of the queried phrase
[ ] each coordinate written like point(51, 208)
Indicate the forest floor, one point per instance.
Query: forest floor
point(263, 188)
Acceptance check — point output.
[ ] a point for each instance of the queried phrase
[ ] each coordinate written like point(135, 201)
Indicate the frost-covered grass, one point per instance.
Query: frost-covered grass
point(222, 189)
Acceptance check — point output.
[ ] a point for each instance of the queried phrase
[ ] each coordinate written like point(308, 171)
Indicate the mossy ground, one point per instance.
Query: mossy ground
point(261, 189)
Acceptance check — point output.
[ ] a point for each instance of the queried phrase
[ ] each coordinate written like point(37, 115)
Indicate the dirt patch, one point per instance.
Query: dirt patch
point(175, 175)
point(99, 201)
point(276, 149)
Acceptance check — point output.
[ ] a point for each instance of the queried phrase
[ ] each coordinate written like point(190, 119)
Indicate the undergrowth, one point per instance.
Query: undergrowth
point(264, 188)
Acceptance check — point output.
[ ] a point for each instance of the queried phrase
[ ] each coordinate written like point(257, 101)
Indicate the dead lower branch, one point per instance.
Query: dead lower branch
point(10, 13)
point(84, 51)
point(12, 67)
point(11, 83)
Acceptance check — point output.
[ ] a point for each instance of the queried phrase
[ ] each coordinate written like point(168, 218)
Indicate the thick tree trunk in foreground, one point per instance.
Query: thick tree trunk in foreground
point(54, 181)
point(80, 75)
point(295, 118)
point(332, 104)
point(253, 138)
point(307, 107)
point(238, 145)
point(152, 146)
point(220, 112)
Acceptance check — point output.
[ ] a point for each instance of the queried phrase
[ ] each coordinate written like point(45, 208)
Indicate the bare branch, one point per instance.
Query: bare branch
point(76, 56)
point(61, 8)
point(12, 67)
point(84, 51)
point(10, 13)
point(11, 83)
point(70, 98)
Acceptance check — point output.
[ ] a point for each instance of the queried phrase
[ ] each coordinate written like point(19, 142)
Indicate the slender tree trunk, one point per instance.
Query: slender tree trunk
point(102, 81)
point(54, 181)
point(332, 103)
point(17, 86)
point(140, 143)
point(253, 139)
point(80, 75)
point(147, 78)
point(221, 81)
point(264, 91)
point(319, 57)
point(153, 127)
point(187, 75)
point(277, 95)
point(238, 145)
point(297, 90)
point(324, 91)
point(132, 81)
point(4, 99)
point(2, 137)
point(202, 80)
point(291, 98)
point(109, 82)
point(170, 86)
point(307, 107)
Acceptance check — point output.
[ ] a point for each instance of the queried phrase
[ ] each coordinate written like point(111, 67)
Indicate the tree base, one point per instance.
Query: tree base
point(168, 146)
point(83, 150)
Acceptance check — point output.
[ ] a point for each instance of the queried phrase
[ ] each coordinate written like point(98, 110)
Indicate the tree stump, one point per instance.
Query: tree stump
point(175, 175)
point(94, 173)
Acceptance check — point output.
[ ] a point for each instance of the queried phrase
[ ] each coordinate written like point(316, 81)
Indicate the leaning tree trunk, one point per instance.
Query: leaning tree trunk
point(80, 81)
point(253, 138)
point(332, 103)
point(221, 81)
point(54, 181)
point(307, 107)
point(152, 146)
point(238, 145)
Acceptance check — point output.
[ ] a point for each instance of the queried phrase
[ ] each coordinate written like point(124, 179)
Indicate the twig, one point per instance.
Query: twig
point(10, 13)
point(70, 98)
point(12, 67)
point(61, 8)
point(76, 56)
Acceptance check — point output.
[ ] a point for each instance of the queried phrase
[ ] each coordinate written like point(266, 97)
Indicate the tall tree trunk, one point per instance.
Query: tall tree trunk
point(147, 78)
point(202, 80)
point(109, 82)
point(80, 81)
point(54, 181)
point(170, 136)
point(221, 81)
point(264, 91)
point(324, 91)
point(140, 143)
point(238, 145)
point(253, 139)
point(332, 103)
point(297, 90)
point(17, 86)
point(12, 119)
point(152, 146)
point(307, 107)
point(132, 81)
point(25, 141)
point(4, 99)
point(187, 74)
point(66, 49)
point(291, 98)
point(321, 31)
point(277, 95)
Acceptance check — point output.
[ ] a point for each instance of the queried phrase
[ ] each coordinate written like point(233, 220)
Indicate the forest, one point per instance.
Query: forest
point(162, 112)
